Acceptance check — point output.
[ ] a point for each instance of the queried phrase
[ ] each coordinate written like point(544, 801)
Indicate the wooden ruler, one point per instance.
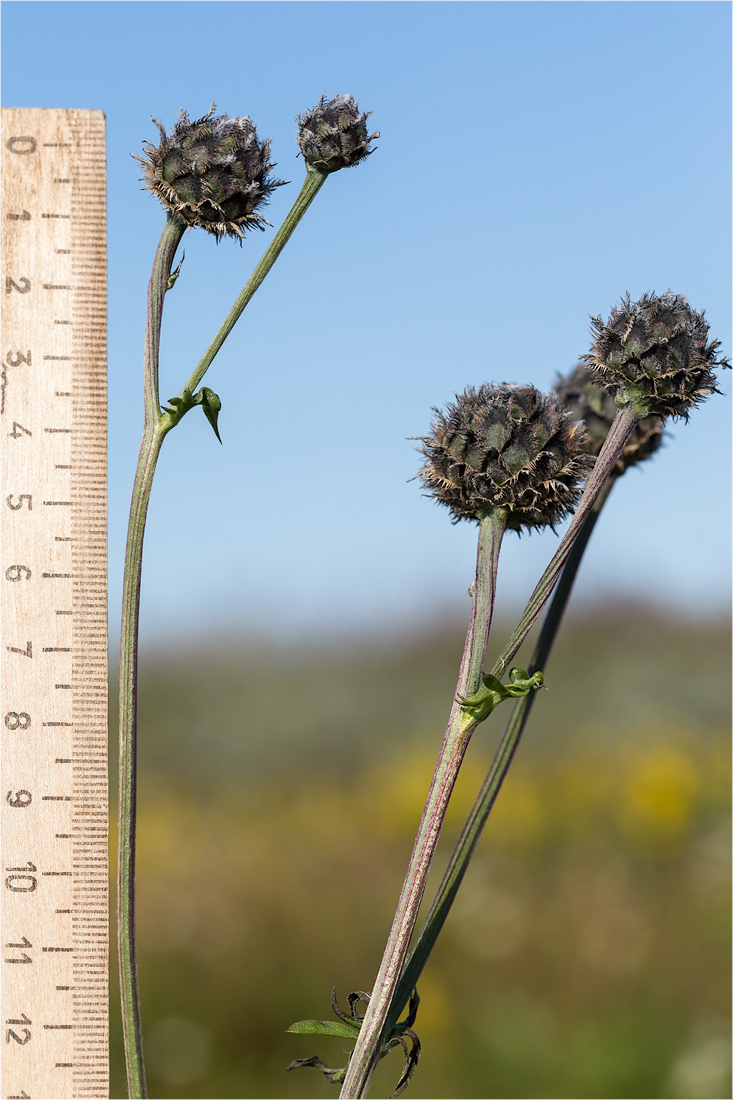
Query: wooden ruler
point(54, 811)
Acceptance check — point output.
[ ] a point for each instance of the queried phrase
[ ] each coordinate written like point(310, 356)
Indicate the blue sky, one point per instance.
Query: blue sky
point(537, 160)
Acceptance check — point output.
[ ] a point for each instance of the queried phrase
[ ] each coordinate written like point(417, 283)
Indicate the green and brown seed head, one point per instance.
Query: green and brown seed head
point(587, 401)
point(334, 134)
point(212, 173)
point(508, 447)
point(654, 354)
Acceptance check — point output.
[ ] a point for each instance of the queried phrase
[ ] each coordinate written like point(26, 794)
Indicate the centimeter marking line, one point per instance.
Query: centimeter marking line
point(54, 808)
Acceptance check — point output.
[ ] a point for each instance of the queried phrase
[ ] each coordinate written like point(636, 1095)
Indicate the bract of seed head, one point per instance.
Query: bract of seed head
point(212, 173)
point(588, 401)
point(334, 134)
point(654, 354)
point(508, 447)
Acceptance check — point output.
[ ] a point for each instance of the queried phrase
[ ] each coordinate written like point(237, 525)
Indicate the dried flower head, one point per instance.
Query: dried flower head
point(211, 173)
point(654, 354)
point(506, 447)
point(581, 394)
point(334, 135)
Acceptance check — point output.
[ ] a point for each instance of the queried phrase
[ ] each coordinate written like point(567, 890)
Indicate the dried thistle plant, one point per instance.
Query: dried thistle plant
point(210, 174)
point(511, 458)
point(506, 447)
point(333, 134)
point(654, 355)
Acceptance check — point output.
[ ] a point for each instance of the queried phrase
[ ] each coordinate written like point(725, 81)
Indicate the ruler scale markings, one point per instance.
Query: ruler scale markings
point(54, 324)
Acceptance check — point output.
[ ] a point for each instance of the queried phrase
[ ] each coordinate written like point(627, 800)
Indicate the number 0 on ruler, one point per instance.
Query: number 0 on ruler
point(54, 812)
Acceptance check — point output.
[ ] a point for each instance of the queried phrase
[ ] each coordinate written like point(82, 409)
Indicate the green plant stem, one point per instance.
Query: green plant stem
point(148, 457)
point(157, 426)
point(366, 1051)
point(127, 798)
point(460, 726)
point(561, 572)
point(312, 184)
point(484, 803)
point(623, 425)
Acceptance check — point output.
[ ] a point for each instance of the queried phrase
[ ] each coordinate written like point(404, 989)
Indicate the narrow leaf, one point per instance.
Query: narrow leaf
point(174, 274)
point(325, 1027)
point(211, 404)
point(333, 1076)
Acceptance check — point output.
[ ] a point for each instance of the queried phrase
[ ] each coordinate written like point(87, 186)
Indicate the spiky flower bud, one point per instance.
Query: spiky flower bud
point(508, 447)
point(654, 355)
point(580, 393)
point(212, 173)
point(334, 135)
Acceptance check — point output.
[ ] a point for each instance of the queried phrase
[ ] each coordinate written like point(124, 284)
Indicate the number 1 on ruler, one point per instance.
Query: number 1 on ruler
point(54, 813)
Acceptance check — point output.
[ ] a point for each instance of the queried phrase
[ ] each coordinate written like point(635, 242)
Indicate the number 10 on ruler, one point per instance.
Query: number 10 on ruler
point(53, 651)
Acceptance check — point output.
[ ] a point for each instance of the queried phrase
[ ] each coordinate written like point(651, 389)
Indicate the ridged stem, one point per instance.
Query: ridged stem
point(458, 733)
point(561, 572)
point(623, 425)
point(312, 184)
point(365, 1055)
point(157, 426)
point(147, 459)
point(484, 803)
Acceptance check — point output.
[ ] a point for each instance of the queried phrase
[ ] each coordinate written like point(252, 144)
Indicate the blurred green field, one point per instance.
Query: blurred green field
point(588, 953)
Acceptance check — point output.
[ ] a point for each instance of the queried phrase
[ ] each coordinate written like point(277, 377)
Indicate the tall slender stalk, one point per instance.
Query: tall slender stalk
point(662, 345)
point(313, 182)
point(156, 427)
point(458, 864)
point(623, 425)
point(457, 736)
point(366, 1051)
point(148, 457)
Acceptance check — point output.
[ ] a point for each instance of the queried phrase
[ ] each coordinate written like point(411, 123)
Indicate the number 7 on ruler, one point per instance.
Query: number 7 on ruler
point(54, 811)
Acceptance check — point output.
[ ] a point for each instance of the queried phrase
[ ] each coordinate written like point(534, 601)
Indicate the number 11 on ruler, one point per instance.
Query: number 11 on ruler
point(54, 812)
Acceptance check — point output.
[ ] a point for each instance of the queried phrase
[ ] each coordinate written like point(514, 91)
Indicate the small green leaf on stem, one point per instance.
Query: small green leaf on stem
point(347, 1025)
point(521, 683)
point(206, 398)
point(492, 692)
point(211, 404)
point(324, 1027)
point(181, 404)
point(174, 274)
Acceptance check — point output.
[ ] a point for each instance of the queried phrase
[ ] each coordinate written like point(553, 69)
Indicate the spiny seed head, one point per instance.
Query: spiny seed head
point(211, 173)
point(654, 354)
point(580, 393)
point(334, 135)
point(506, 447)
